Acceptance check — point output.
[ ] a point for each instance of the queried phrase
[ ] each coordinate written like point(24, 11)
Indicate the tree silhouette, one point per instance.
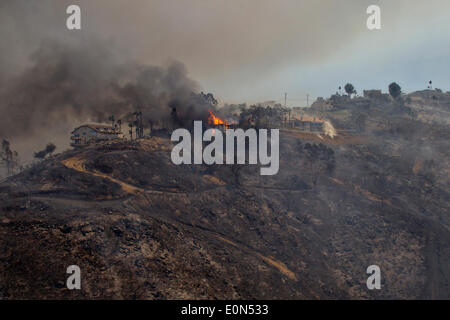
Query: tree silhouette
point(9, 158)
point(350, 89)
point(49, 149)
point(130, 124)
point(111, 118)
point(395, 90)
point(265, 117)
point(318, 159)
point(208, 98)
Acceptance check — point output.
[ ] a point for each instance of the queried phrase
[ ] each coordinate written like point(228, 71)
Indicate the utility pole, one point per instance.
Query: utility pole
point(307, 100)
point(285, 98)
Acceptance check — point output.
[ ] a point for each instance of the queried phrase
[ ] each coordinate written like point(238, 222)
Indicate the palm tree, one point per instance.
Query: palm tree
point(111, 118)
point(136, 124)
point(150, 123)
point(130, 124)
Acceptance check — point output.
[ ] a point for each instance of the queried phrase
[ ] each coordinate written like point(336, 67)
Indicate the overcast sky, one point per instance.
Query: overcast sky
point(250, 50)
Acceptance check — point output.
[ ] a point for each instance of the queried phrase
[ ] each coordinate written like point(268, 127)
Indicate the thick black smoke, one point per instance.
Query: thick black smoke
point(66, 84)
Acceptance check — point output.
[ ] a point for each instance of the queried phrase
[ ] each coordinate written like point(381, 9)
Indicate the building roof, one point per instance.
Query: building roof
point(100, 128)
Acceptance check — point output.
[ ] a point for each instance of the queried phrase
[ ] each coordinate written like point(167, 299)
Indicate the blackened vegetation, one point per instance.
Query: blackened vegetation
point(318, 159)
point(259, 116)
point(141, 227)
point(49, 149)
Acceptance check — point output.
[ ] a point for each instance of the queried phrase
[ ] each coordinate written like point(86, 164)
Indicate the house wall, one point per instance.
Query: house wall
point(308, 126)
point(316, 126)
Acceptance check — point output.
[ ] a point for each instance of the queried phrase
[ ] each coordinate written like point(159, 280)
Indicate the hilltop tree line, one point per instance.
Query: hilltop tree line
point(9, 159)
point(263, 117)
point(49, 149)
point(394, 90)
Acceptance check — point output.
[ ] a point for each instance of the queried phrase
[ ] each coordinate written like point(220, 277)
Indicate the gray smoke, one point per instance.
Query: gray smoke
point(231, 46)
point(67, 84)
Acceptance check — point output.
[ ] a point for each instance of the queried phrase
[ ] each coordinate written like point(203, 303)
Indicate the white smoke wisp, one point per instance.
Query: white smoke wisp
point(329, 130)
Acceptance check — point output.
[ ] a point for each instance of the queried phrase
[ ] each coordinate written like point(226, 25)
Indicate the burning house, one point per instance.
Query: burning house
point(215, 122)
point(93, 133)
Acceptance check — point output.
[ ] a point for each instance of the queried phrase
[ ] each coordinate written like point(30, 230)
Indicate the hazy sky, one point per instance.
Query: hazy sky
point(249, 50)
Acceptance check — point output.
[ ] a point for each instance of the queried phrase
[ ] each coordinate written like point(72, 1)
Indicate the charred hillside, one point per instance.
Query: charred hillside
point(140, 227)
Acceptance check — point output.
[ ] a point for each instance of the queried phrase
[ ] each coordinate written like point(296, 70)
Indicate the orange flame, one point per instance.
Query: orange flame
point(213, 120)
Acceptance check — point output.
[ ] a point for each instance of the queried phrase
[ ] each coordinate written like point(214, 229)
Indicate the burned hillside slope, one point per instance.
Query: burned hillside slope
point(140, 227)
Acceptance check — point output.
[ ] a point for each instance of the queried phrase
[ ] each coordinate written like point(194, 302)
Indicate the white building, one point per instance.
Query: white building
point(92, 133)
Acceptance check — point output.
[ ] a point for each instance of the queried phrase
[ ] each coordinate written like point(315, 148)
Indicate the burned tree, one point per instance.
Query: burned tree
point(139, 124)
point(318, 159)
point(174, 118)
point(49, 149)
point(112, 119)
point(136, 126)
point(209, 98)
point(264, 117)
point(130, 125)
point(150, 125)
point(395, 90)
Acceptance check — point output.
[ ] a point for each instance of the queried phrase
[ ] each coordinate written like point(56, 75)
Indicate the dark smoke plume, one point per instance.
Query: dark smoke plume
point(66, 84)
